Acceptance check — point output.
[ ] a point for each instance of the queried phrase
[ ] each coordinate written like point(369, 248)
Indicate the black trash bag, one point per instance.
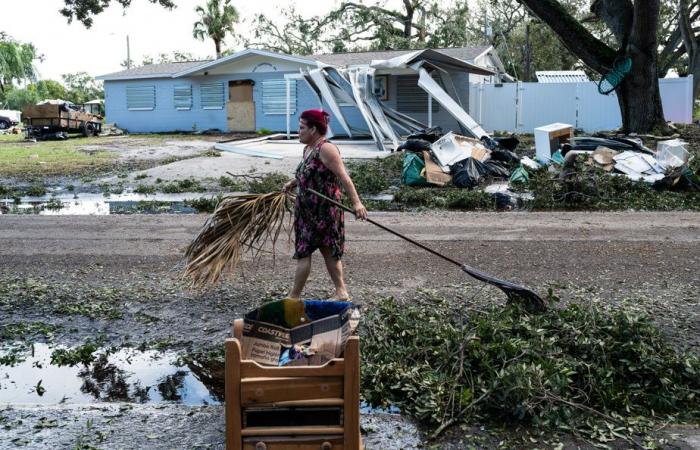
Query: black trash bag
point(508, 143)
point(468, 173)
point(620, 144)
point(414, 145)
point(506, 202)
point(505, 156)
point(429, 134)
point(496, 169)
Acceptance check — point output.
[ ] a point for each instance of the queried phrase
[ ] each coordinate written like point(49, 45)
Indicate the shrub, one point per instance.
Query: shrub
point(186, 185)
point(270, 182)
point(36, 190)
point(145, 189)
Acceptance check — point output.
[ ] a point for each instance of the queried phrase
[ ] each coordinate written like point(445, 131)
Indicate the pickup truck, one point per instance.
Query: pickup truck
point(7, 122)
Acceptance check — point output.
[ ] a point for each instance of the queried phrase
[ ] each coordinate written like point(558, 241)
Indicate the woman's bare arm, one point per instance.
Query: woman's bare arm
point(330, 156)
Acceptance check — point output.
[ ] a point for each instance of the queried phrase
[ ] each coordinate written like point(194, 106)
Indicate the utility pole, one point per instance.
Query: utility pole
point(128, 53)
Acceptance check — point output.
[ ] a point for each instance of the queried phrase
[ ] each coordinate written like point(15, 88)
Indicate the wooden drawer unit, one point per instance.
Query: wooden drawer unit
point(294, 443)
point(292, 408)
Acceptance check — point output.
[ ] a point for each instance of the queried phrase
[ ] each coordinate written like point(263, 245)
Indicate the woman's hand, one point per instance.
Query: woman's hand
point(289, 185)
point(360, 211)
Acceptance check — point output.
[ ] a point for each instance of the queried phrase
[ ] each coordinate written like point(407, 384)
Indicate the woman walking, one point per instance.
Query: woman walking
point(318, 224)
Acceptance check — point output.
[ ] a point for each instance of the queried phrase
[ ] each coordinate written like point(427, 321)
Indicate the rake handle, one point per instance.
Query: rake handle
point(389, 230)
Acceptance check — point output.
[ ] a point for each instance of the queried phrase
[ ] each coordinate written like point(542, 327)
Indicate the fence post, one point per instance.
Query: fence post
point(577, 107)
point(481, 104)
point(689, 86)
point(518, 105)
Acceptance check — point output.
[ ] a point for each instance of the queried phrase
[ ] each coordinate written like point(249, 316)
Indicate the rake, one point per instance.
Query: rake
point(515, 292)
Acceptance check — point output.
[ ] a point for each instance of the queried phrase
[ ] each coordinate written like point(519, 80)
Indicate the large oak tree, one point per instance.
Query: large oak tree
point(84, 10)
point(634, 26)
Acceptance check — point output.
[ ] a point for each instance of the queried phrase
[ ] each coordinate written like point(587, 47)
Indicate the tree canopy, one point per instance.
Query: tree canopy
point(16, 61)
point(84, 10)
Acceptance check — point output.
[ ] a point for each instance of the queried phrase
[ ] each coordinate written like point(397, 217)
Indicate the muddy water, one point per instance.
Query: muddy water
point(126, 376)
point(100, 205)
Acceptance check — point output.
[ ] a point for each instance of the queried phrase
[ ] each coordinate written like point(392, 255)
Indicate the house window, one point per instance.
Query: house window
point(212, 95)
point(410, 98)
point(182, 97)
point(140, 98)
point(274, 94)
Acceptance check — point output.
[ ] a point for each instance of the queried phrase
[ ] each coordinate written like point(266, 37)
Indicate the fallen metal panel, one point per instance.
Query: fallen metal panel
point(431, 87)
point(318, 77)
point(335, 79)
point(405, 119)
point(246, 151)
point(354, 78)
point(434, 58)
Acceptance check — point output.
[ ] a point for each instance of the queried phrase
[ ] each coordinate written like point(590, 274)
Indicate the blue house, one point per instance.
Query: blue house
point(256, 89)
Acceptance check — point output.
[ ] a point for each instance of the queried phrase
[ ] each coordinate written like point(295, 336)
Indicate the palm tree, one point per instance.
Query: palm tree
point(215, 22)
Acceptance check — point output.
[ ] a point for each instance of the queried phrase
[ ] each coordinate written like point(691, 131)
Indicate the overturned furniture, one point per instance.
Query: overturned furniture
point(57, 119)
point(299, 407)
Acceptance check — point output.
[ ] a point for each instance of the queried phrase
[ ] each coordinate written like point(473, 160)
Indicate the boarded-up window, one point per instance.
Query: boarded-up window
point(182, 97)
point(212, 95)
point(140, 98)
point(274, 93)
point(410, 98)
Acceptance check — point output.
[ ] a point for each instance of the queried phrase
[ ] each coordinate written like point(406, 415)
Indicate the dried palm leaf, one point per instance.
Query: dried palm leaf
point(240, 223)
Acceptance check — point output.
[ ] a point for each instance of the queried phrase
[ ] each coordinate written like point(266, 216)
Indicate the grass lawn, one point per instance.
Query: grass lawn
point(18, 158)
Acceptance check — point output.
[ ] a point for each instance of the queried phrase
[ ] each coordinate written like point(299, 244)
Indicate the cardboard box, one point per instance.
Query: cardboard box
point(273, 332)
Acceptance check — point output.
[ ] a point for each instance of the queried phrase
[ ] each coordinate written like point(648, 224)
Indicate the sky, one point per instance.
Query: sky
point(152, 29)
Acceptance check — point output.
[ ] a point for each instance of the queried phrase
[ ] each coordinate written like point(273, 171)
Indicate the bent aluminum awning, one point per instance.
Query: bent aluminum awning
point(355, 86)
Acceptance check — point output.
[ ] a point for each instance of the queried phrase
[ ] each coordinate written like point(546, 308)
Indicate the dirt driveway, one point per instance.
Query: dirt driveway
point(97, 266)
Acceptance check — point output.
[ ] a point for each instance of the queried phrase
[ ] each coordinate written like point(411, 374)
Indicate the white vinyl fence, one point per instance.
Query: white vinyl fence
point(522, 107)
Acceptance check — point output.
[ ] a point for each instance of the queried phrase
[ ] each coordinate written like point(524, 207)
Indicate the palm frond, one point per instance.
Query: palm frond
point(240, 223)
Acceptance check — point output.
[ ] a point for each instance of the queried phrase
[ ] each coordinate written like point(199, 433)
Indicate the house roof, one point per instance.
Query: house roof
point(165, 70)
point(179, 69)
point(468, 54)
point(242, 54)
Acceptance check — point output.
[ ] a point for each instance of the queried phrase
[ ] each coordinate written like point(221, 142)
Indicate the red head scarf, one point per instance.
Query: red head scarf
point(316, 118)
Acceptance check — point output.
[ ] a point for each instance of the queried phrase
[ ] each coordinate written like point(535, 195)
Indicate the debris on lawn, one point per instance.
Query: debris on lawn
point(490, 165)
point(593, 371)
point(111, 129)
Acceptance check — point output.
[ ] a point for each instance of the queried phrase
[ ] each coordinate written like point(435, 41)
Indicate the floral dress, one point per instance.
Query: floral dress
point(317, 222)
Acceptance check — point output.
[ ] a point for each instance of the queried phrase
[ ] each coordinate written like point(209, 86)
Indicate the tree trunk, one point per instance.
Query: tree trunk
point(640, 101)
point(694, 70)
point(638, 94)
point(408, 19)
point(217, 44)
point(527, 76)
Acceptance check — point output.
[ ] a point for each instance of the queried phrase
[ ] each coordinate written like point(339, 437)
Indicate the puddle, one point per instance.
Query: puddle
point(127, 375)
point(366, 408)
point(127, 203)
point(99, 205)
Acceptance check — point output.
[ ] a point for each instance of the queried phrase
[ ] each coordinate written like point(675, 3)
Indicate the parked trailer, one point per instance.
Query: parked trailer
point(57, 120)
